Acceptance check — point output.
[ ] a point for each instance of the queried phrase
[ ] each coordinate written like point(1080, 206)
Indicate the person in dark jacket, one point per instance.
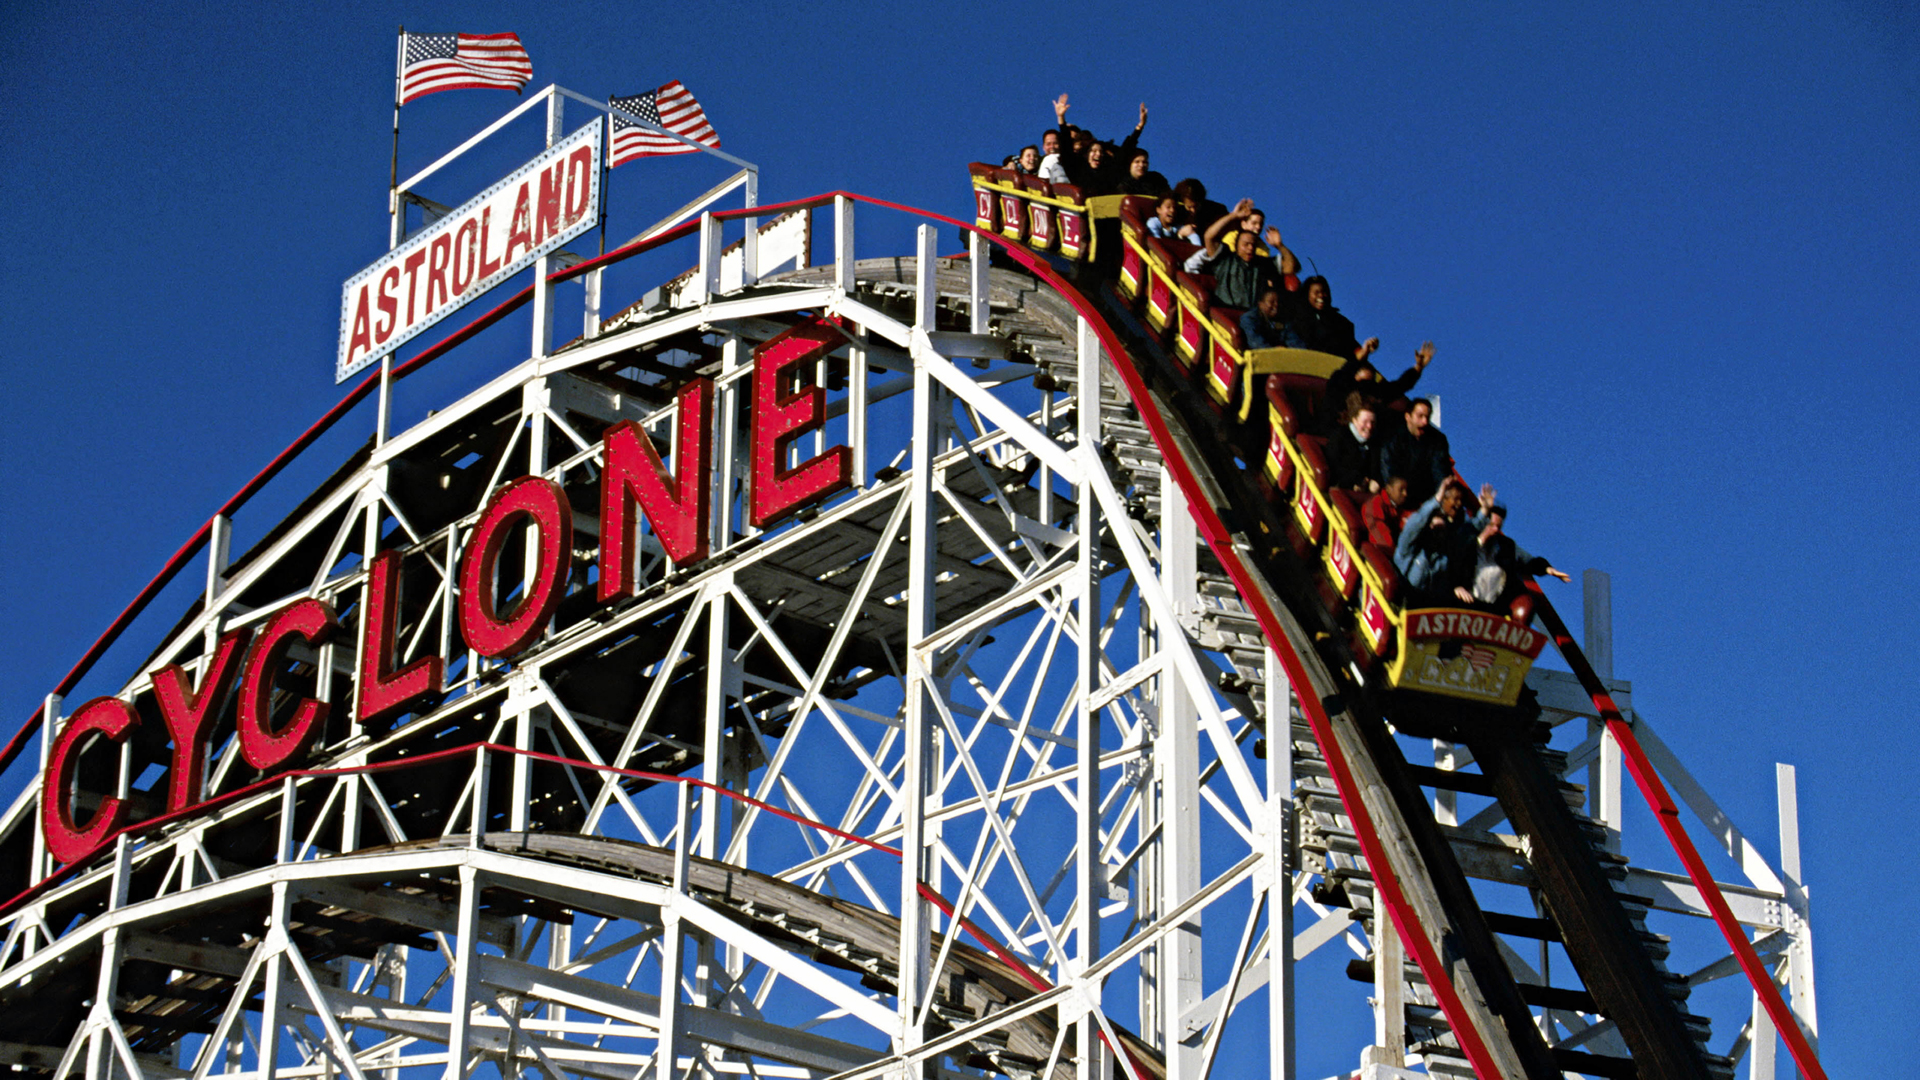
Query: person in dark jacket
point(1501, 566)
point(1436, 551)
point(1420, 453)
point(1320, 326)
point(1140, 179)
point(1362, 378)
point(1353, 455)
point(1195, 208)
point(1264, 325)
point(1092, 172)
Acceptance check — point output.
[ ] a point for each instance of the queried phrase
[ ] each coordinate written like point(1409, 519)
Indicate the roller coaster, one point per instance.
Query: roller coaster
point(938, 665)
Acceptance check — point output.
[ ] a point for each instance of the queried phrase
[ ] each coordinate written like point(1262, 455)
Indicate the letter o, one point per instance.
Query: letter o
point(265, 747)
point(485, 629)
point(111, 719)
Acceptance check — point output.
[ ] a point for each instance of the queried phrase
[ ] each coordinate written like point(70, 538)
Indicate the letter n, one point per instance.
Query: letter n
point(678, 507)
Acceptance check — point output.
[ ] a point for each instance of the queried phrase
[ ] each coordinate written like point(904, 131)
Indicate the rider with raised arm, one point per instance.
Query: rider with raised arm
point(1238, 274)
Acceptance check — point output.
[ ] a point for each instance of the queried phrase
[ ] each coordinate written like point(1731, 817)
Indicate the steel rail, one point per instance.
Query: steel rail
point(1647, 778)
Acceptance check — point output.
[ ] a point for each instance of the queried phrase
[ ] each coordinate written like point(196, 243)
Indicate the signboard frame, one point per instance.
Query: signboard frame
point(368, 297)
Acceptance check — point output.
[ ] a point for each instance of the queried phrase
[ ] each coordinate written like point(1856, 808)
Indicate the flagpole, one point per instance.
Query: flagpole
point(393, 174)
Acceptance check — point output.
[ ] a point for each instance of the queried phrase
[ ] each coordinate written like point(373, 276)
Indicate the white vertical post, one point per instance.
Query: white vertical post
point(857, 407)
point(521, 704)
point(49, 731)
point(273, 999)
point(922, 546)
point(1177, 761)
point(666, 1055)
point(1090, 870)
point(482, 773)
point(926, 295)
point(726, 457)
point(721, 680)
point(1280, 1039)
point(707, 280)
point(1799, 913)
point(101, 1057)
point(283, 844)
point(1446, 803)
point(1597, 605)
point(719, 663)
point(750, 244)
point(1604, 776)
point(590, 319)
point(542, 290)
point(460, 1008)
point(382, 417)
point(978, 264)
point(219, 553)
point(843, 243)
point(1389, 994)
point(122, 879)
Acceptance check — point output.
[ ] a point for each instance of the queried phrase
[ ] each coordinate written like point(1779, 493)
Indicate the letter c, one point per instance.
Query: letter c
point(265, 747)
point(111, 719)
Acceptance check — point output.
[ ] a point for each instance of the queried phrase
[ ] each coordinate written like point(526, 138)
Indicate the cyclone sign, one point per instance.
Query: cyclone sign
point(503, 230)
point(634, 482)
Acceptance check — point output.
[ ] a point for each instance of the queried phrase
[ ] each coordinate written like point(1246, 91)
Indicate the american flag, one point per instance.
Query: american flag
point(1480, 656)
point(436, 62)
point(671, 107)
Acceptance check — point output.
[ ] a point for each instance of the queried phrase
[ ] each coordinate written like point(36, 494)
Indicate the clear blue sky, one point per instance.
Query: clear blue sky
point(1667, 257)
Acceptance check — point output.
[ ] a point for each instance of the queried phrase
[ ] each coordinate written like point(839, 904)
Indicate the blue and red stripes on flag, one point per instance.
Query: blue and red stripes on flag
point(435, 62)
point(671, 107)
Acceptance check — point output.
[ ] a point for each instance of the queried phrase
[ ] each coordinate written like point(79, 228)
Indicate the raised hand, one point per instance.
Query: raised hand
point(1423, 355)
point(1143, 117)
point(1273, 237)
point(1060, 107)
point(1241, 209)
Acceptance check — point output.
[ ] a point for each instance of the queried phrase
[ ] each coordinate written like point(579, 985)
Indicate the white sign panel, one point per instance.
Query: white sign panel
point(542, 205)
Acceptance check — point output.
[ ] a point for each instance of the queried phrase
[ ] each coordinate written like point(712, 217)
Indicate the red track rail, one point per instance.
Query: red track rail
point(1668, 812)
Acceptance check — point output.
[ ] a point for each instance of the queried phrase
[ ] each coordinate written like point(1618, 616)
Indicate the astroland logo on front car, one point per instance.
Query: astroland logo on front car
point(634, 481)
point(1450, 623)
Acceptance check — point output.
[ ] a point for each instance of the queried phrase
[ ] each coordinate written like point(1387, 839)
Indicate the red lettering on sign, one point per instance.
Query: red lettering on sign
point(411, 264)
point(546, 218)
point(486, 630)
point(188, 712)
point(264, 746)
point(779, 418)
point(465, 256)
point(579, 182)
point(522, 231)
point(678, 506)
point(360, 339)
point(440, 252)
point(111, 719)
point(487, 265)
point(388, 305)
point(384, 693)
